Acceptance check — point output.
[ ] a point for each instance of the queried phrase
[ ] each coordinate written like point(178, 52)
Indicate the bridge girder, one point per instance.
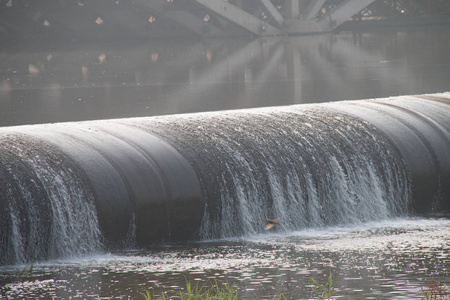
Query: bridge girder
point(280, 17)
point(103, 19)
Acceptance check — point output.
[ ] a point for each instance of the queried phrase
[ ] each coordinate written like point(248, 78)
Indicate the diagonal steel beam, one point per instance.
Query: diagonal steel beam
point(343, 12)
point(239, 17)
point(272, 13)
point(312, 9)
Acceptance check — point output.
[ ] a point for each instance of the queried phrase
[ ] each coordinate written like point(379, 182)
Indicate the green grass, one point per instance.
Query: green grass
point(206, 291)
point(324, 291)
point(223, 291)
point(434, 290)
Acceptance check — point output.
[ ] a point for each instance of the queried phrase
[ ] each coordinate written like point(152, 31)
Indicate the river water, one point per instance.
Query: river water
point(390, 259)
point(54, 83)
point(387, 260)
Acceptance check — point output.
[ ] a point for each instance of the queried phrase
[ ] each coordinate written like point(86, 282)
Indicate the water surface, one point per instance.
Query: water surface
point(387, 260)
point(54, 83)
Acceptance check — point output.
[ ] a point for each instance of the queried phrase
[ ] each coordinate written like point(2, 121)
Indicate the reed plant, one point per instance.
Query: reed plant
point(206, 291)
point(434, 290)
point(324, 291)
point(219, 291)
point(28, 269)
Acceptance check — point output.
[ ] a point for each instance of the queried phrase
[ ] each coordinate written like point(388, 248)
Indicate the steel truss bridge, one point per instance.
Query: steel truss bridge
point(72, 19)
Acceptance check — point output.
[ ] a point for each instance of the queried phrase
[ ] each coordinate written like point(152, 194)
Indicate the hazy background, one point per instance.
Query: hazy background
point(98, 81)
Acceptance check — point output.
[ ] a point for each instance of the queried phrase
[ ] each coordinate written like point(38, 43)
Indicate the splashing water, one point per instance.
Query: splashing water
point(308, 167)
point(51, 215)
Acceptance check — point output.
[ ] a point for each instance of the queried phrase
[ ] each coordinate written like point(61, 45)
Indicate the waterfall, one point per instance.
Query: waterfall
point(47, 213)
point(307, 166)
point(69, 189)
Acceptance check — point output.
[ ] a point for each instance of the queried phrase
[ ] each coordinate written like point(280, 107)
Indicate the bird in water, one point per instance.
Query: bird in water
point(271, 223)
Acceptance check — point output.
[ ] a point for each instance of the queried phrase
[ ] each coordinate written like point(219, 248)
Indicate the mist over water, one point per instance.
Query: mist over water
point(89, 82)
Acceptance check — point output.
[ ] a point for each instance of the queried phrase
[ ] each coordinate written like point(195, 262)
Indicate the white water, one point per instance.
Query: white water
point(305, 165)
point(54, 215)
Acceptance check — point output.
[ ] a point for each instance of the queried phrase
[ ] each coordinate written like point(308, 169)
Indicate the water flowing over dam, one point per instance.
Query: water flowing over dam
point(69, 189)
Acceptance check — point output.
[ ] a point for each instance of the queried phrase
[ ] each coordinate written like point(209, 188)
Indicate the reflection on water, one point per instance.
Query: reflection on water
point(389, 260)
point(167, 77)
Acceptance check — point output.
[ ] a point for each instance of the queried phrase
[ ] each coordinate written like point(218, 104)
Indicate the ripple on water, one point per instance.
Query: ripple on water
point(384, 260)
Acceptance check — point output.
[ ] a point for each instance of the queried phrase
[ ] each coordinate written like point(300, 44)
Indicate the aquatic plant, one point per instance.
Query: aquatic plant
point(220, 291)
point(146, 295)
point(324, 291)
point(436, 290)
point(28, 269)
point(206, 291)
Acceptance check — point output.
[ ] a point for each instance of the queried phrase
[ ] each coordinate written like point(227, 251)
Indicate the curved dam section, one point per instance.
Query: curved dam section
point(70, 189)
point(75, 188)
point(419, 127)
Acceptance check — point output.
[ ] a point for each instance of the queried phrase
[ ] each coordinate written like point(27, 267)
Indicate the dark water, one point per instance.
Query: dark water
point(44, 83)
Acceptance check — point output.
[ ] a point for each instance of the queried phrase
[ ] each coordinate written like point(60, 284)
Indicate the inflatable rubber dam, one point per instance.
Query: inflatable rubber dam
point(70, 189)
